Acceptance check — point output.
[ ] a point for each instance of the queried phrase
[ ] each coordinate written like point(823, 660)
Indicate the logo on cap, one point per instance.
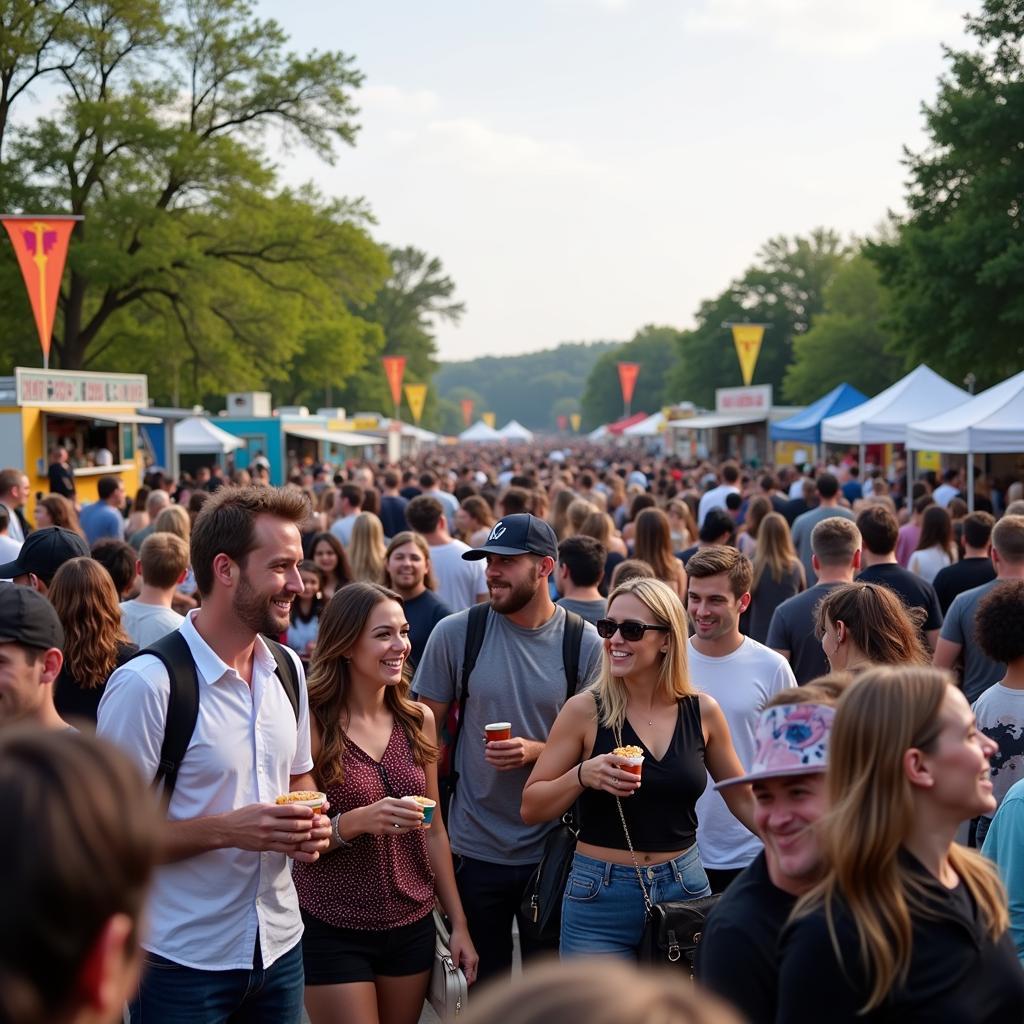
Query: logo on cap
point(498, 531)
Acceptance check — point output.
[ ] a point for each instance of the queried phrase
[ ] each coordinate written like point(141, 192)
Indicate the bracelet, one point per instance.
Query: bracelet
point(579, 776)
point(335, 822)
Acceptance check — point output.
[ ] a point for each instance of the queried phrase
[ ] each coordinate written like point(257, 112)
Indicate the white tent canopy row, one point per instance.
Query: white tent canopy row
point(196, 435)
point(515, 431)
point(480, 432)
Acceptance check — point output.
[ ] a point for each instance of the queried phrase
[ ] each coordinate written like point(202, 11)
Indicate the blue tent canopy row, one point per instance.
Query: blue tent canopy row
point(805, 426)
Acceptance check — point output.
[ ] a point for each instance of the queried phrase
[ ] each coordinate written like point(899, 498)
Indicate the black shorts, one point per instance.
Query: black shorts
point(337, 956)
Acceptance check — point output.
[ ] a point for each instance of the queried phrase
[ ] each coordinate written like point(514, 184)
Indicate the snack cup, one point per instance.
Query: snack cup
point(498, 731)
point(632, 764)
point(426, 805)
point(308, 799)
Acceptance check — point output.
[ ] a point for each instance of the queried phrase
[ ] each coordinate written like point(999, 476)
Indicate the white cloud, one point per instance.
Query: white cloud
point(834, 27)
point(393, 99)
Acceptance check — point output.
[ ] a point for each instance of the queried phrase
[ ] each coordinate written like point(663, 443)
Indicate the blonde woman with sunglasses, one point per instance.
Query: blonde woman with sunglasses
point(634, 827)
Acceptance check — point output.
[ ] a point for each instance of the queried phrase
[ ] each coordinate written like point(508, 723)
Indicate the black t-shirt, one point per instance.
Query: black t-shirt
point(793, 508)
point(423, 613)
point(62, 479)
point(410, 492)
point(737, 957)
point(792, 629)
point(960, 576)
point(392, 514)
point(688, 553)
point(73, 701)
point(916, 592)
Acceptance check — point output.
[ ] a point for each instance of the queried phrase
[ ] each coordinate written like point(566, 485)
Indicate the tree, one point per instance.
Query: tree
point(956, 268)
point(654, 348)
point(190, 253)
point(848, 342)
point(783, 289)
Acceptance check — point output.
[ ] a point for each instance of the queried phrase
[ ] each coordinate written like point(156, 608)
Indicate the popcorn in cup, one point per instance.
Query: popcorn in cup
point(426, 805)
point(498, 731)
point(632, 758)
point(304, 798)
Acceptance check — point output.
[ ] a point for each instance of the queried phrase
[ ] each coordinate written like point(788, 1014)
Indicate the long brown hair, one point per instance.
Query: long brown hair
point(366, 549)
point(774, 551)
point(400, 540)
point(83, 595)
point(62, 513)
point(652, 543)
point(887, 712)
point(341, 625)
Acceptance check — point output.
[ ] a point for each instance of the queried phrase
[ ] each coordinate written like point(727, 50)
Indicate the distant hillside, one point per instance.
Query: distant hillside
point(532, 388)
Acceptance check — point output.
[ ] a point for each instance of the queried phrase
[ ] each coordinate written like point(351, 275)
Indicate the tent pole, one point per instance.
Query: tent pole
point(970, 481)
point(910, 479)
point(861, 456)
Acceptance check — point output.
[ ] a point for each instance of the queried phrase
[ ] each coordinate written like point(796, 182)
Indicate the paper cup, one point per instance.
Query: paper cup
point(426, 805)
point(632, 764)
point(498, 731)
point(304, 799)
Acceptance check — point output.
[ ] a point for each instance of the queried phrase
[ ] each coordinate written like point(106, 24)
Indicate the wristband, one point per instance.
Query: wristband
point(335, 822)
point(579, 776)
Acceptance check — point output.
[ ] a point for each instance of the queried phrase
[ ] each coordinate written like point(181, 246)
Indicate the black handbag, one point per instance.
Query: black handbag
point(540, 912)
point(674, 927)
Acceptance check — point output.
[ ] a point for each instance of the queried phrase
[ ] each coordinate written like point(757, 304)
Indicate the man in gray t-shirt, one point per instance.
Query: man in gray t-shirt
point(518, 678)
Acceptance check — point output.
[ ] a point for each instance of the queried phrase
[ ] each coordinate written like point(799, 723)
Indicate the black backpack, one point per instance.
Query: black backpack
point(183, 700)
point(476, 627)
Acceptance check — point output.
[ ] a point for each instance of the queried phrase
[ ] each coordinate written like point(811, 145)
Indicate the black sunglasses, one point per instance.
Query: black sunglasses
point(630, 630)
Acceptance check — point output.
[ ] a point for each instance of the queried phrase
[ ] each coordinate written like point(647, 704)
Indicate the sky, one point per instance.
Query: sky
point(585, 167)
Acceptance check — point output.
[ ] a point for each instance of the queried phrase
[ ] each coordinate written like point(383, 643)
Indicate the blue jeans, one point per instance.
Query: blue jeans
point(172, 994)
point(603, 909)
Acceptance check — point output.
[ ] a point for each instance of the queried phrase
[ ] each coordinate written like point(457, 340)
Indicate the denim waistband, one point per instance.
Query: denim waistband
point(610, 872)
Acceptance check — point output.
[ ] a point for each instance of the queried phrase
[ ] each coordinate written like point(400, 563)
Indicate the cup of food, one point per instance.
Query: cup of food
point(498, 731)
point(426, 805)
point(632, 758)
point(304, 798)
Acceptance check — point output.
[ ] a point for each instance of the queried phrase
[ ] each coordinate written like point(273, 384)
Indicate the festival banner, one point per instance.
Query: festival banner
point(747, 338)
point(628, 372)
point(489, 418)
point(394, 367)
point(416, 396)
point(563, 422)
point(575, 419)
point(467, 411)
point(41, 245)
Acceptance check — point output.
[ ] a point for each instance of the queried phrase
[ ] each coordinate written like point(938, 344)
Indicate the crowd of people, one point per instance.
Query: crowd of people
point(798, 690)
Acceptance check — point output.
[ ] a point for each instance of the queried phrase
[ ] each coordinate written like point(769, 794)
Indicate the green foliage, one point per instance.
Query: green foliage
point(784, 289)
point(528, 388)
point(654, 348)
point(192, 262)
point(848, 342)
point(956, 268)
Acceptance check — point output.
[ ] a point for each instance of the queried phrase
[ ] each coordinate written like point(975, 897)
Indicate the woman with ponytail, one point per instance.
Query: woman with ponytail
point(905, 925)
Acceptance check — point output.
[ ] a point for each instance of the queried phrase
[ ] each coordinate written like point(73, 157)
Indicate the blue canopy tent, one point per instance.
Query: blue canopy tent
point(805, 426)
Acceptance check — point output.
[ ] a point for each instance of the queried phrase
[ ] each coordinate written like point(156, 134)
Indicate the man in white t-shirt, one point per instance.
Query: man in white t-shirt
point(741, 675)
point(715, 498)
point(460, 584)
point(223, 933)
point(163, 564)
point(350, 504)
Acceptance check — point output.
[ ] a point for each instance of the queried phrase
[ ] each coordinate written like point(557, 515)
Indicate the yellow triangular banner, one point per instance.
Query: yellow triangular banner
point(747, 338)
point(416, 396)
point(488, 418)
point(575, 419)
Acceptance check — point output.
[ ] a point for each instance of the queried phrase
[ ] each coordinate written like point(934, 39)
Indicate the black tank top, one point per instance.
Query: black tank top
point(662, 813)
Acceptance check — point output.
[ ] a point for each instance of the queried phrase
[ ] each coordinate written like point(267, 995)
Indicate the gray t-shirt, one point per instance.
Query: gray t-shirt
point(980, 671)
point(792, 629)
point(1000, 714)
point(518, 678)
point(803, 527)
point(147, 623)
point(589, 611)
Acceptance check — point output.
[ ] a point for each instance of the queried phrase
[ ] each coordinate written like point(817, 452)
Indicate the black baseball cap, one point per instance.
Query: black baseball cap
point(27, 618)
point(44, 552)
point(518, 534)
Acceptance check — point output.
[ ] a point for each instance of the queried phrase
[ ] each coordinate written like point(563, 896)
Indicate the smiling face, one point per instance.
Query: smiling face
point(959, 762)
point(715, 609)
point(269, 578)
point(513, 581)
point(379, 654)
point(408, 569)
point(310, 584)
point(785, 812)
point(634, 658)
point(325, 556)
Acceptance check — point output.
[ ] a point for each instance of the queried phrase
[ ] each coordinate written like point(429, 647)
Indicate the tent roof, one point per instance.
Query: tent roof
point(196, 435)
point(712, 420)
point(619, 426)
point(515, 431)
point(480, 432)
point(805, 426)
point(341, 438)
point(990, 423)
point(649, 427)
point(884, 418)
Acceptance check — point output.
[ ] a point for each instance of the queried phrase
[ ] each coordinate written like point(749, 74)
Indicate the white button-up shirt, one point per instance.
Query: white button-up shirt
point(204, 912)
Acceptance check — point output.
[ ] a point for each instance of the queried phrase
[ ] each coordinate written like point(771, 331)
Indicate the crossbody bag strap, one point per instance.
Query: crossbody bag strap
point(629, 842)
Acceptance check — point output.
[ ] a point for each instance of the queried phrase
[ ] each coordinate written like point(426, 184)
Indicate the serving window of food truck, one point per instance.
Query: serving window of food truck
point(92, 415)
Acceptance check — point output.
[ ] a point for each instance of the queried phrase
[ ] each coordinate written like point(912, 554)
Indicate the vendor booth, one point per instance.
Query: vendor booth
point(92, 415)
point(803, 431)
point(198, 442)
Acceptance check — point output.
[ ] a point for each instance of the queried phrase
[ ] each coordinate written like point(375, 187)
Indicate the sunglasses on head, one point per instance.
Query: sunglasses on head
point(630, 630)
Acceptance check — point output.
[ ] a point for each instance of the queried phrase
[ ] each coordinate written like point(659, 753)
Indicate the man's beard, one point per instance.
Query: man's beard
point(256, 611)
point(517, 597)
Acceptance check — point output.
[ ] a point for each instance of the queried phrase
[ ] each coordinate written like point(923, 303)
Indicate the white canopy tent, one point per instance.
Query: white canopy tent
point(479, 433)
point(650, 427)
point(598, 435)
point(990, 423)
point(196, 435)
point(515, 431)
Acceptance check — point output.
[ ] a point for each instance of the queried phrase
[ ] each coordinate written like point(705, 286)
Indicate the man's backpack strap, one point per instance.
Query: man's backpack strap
point(572, 641)
point(182, 706)
point(476, 627)
point(286, 672)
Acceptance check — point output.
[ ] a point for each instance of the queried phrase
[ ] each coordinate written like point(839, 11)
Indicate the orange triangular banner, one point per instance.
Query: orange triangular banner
point(394, 367)
point(41, 245)
point(628, 373)
point(467, 410)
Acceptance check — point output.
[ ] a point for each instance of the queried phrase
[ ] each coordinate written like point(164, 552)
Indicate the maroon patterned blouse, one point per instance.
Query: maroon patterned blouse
point(379, 882)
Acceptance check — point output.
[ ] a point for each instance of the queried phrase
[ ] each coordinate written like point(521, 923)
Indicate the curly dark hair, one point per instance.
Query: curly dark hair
point(999, 622)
